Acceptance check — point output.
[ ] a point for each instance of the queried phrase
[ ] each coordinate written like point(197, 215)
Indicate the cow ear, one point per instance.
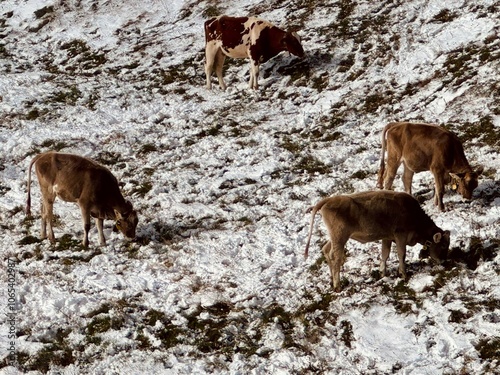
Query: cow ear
point(296, 36)
point(118, 215)
point(129, 205)
point(479, 170)
point(446, 235)
point(437, 237)
point(458, 176)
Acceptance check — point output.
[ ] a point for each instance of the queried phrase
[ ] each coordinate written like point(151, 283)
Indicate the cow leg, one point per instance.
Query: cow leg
point(439, 189)
point(254, 74)
point(210, 52)
point(43, 230)
point(86, 225)
point(328, 256)
point(386, 249)
point(407, 178)
point(335, 256)
point(99, 224)
point(219, 64)
point(47, 214)
point(208, 73)
point(401, 247)
point(392, 166)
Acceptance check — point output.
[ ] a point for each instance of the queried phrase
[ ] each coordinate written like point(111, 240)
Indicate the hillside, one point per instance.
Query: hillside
point(216, 281)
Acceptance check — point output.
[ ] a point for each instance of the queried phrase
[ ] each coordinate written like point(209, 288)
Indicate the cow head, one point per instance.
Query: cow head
point(438, 247)
point(291, 43)
point(465, 183)
point(126, 222)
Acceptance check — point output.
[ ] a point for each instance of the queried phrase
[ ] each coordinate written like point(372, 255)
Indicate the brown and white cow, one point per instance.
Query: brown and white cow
point(425, 147)
point(377, 215)
point(93, 187)
point(245, 37)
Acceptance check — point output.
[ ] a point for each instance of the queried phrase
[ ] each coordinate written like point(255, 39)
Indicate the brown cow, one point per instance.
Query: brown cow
point(245, 37)
point(424, 147)
point(92, 186)
point(377, 215)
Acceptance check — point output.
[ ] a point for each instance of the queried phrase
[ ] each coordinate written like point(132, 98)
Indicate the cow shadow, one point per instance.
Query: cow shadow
point(306, 68)
point(470, 256)
point(169, 232)
point(486, 193)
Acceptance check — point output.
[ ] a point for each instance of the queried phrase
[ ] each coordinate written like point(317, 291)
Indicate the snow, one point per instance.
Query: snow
point(217, 282)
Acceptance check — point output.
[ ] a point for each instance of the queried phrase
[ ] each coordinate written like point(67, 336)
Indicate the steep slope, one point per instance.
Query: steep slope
point(216, 282)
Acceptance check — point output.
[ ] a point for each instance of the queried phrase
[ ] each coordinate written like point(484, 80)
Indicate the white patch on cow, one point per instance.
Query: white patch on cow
point(252, 29)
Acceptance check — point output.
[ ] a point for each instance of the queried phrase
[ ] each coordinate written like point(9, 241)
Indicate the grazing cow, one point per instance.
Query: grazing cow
point(245, 37)
point(424, 147)
point(377, 215)
point(92, 186)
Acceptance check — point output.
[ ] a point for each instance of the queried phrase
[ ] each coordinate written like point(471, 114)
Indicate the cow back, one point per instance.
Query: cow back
point(379, 214)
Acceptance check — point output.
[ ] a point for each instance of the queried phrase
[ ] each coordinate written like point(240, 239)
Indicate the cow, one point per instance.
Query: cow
point(425, 147)
point(377, 215)
point(245, 37)
point(93, 187)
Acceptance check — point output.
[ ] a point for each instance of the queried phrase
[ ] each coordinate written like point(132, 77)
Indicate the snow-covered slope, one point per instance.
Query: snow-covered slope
point(216, 281)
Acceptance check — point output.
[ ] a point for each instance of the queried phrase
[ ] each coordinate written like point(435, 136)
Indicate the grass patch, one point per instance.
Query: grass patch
point(67, 242)
point(181, 73)
point(141, 189)
point(211, 131)
point(320, 82)
point(54, 145)
point(211, 11)
point(56, 353)
point(360, 175)
point(461, 64)
point(35, 113)
point(347, 63)
point(311, 165)
point(101, 324)
point(210, 332)
point(29, 240)
point(316, 313)
point(374, 101)
point(459, 316)
point(346, 9)
point(482, 132)
point(108, 158)
point(489, 349)
point(444, 16)
point(442, 277)
point(69, 95)
point(43, 11)
point(478, 250)
point(347, 335)
point(147, 148)
point(84, 58)
point(292, 146)
point(276, 314)
point(402, 297)
point(75, 47)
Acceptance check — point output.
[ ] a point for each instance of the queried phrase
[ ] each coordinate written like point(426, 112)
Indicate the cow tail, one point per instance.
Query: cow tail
point(314, 209)
point(381, 171)
point(206, 27)
point(28, 200)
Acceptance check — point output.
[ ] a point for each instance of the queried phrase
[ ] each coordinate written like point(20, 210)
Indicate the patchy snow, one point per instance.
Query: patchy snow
point(216, 281)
